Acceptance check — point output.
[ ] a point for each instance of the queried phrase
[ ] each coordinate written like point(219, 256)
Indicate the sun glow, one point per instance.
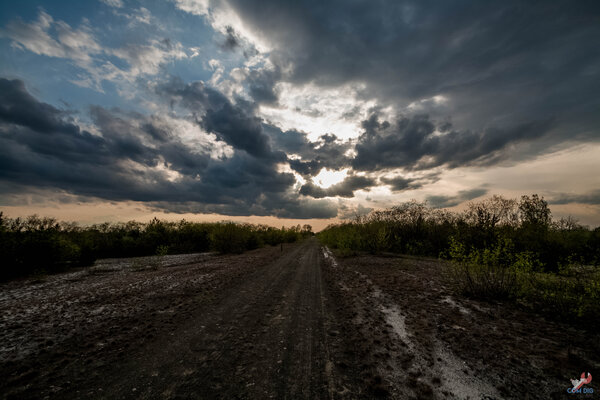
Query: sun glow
point(327, 177)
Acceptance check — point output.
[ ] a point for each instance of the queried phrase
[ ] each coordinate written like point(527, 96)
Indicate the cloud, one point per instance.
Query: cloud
point(306, 208)
point(402, 91)
point(591, 197)
point(346, 188)
point(58, 39)
point(239, 125)
point(76, 44)
point(416, 143)
point(438, 201)
point(232, 41)
point(235, 124)
point(261, 84)
point(240, 129)
point(401, 183)
point(148, 58)
point(494, 64)
point(113, 3)
point(196, 7)
point(350, 212)
point(327, 152)
point(138, 158)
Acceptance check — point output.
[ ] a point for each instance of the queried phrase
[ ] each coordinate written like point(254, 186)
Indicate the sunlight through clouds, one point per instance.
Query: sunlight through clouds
point(318, 110)
point(327, 178)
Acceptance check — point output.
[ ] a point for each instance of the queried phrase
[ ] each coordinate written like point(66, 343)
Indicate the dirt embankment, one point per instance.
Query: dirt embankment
point(296, 323)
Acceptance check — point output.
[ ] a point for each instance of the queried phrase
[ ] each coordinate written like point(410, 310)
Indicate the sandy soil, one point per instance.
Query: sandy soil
point(270, 324)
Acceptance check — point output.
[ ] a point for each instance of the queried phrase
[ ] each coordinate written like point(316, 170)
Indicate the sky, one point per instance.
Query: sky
point(286, 112)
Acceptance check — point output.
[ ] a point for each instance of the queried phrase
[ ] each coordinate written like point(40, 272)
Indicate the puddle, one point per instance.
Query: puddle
point(329, 256)
point(456, 381)
point(397, 320)
point(450, 368)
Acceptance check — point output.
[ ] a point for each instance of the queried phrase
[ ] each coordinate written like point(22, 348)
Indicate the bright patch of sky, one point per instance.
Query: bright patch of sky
point(327, 178)
point(319, 111)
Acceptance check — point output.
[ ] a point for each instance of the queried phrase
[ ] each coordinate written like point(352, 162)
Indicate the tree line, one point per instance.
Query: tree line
point(414, 228)
point(43, 245)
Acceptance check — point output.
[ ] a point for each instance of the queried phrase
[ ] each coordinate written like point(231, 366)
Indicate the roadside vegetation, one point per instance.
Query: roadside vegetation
point(498, 248)
point(36, 245)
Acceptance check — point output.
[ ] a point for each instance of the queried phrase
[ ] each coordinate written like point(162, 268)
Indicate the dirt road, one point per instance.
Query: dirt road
point(247, 326)
point(263, 338)
point(278, 324)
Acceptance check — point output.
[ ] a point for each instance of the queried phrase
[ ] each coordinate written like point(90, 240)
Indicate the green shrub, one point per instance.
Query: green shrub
point(572, 295)
point(162, 250)
point(499, 273)
point(489, 273)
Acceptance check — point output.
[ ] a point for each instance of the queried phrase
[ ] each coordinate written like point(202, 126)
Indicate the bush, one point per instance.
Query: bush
point(490, 273)
point(499, 273)
point(46, 245)
point(572, 295)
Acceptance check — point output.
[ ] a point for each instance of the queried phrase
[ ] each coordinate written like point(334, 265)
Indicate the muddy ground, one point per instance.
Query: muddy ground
point(297, 323)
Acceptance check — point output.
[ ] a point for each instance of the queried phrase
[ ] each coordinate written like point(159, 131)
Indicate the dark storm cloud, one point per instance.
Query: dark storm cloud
point(195, 96)
point(239, 129)
point(20, 108)
point(346, 188)
point(236, 124)
point(296, 207)
point(286, 207)
point(27, 124)
point(451, 201)
point(306, 168)
point(414, 143)
point(291, 141)
point(261, 85)
point(327, 152)
point(400, 183)
point(121, 130)
point(48, 150)
point(592, 197)
point(328, 138)
point(497, 63)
